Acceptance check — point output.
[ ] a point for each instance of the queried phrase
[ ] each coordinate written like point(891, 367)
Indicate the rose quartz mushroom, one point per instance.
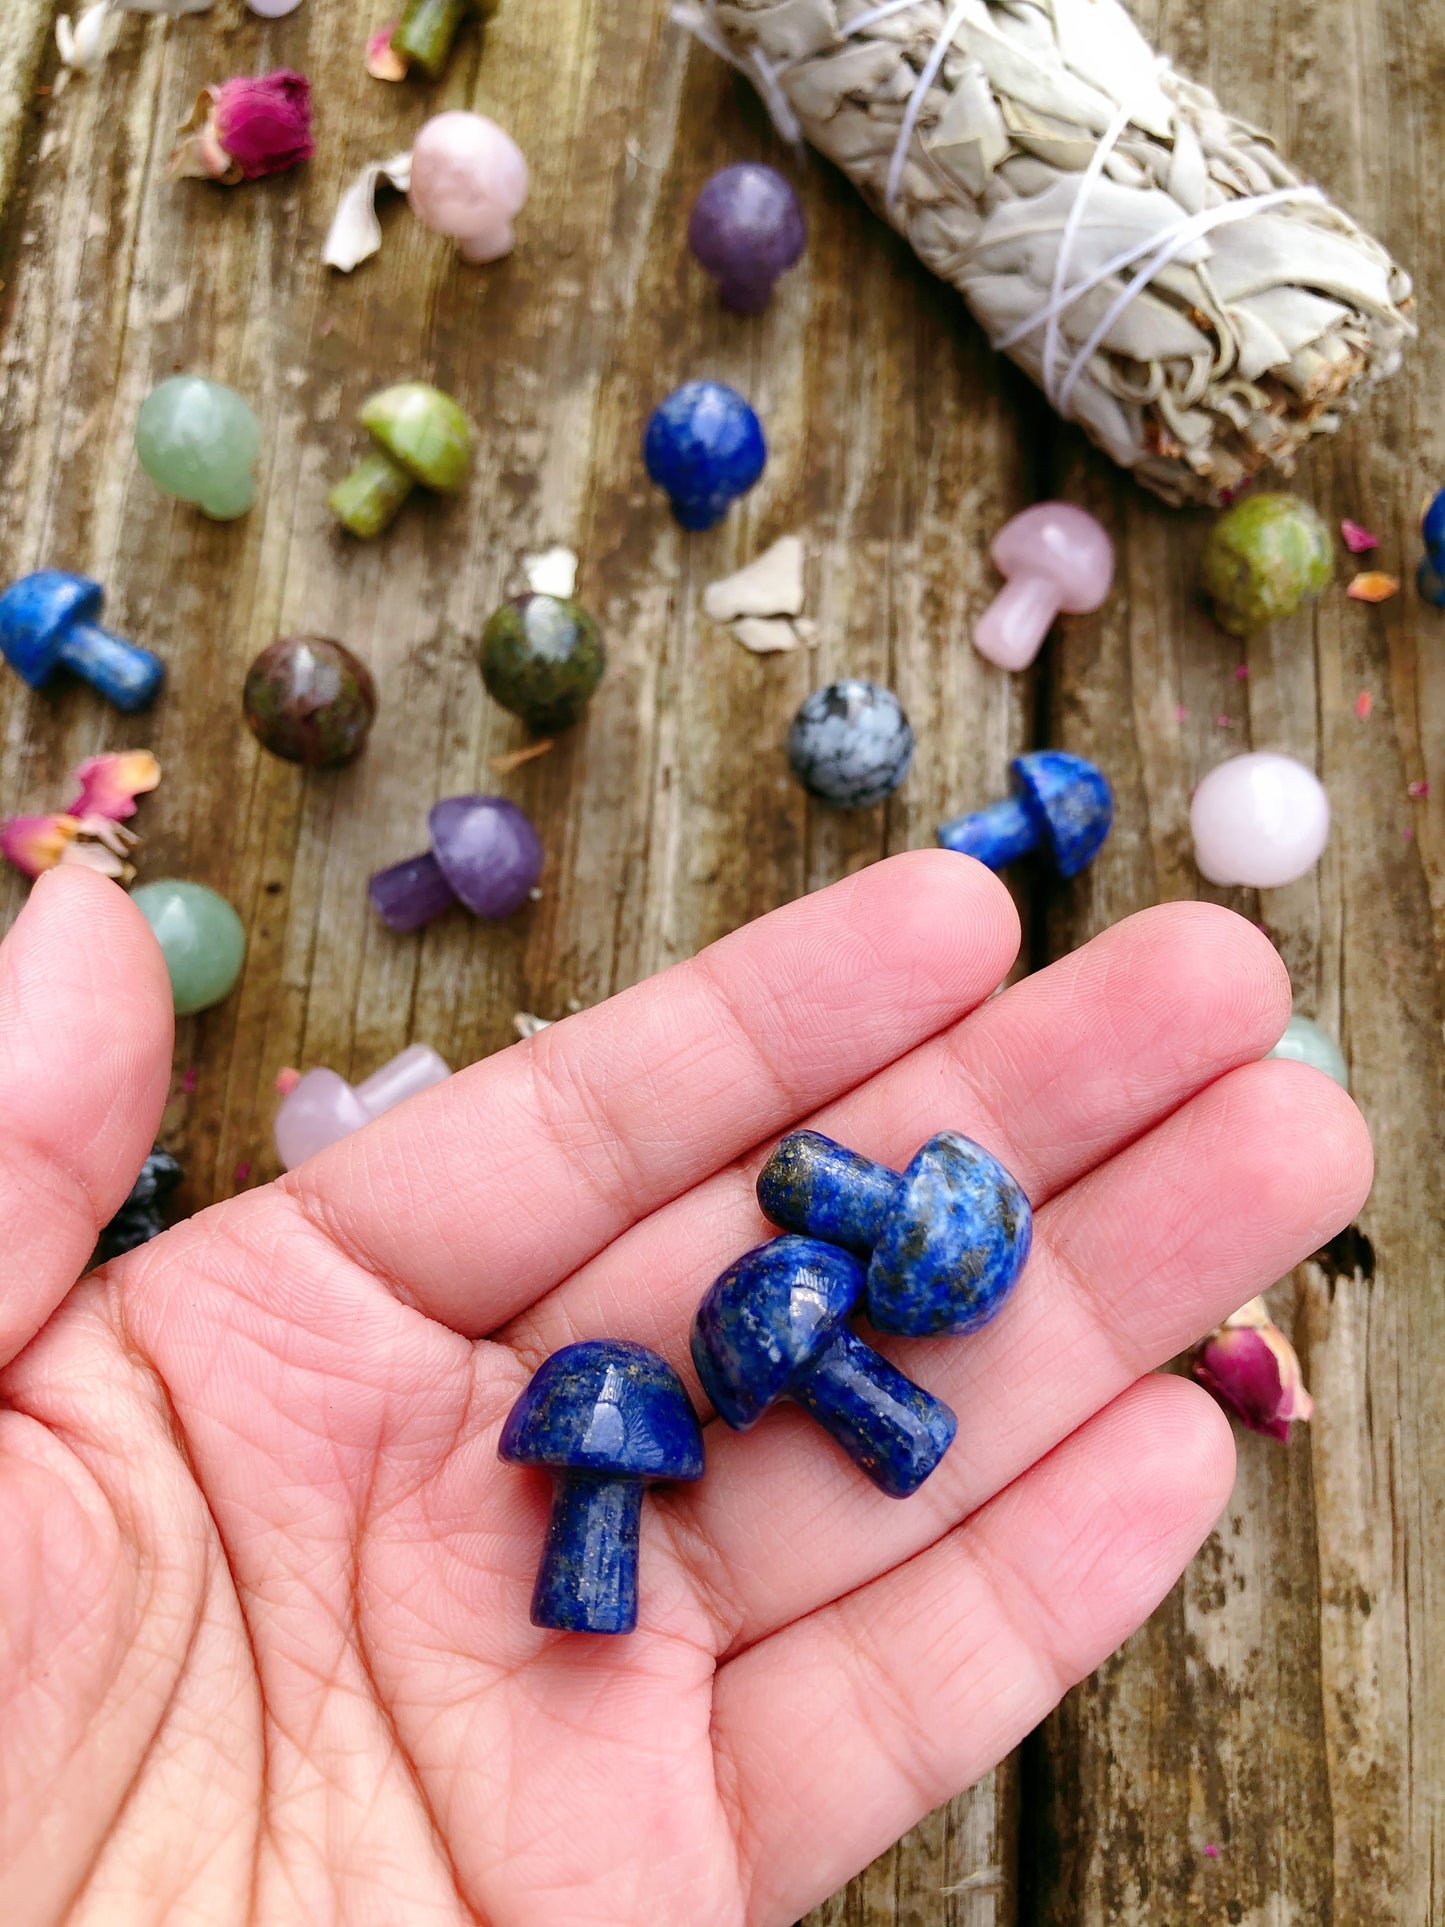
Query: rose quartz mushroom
point(1056, 558)
point(469, 180)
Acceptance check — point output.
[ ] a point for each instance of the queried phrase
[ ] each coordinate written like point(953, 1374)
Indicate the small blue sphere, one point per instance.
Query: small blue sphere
point(705, 446)
point(1432, 530)
point(851, 744)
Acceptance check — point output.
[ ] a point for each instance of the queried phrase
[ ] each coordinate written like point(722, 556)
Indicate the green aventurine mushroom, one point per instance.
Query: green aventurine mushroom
point(1264, 557)
point(422, 439)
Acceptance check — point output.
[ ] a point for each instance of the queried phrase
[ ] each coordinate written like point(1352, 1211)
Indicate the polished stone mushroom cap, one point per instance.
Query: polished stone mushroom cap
point(953, 1245)
point(607, 1407)
point(765, 1321)
point(1069, 800)
point(423, 431)
point(36, 613)
point(488, 850)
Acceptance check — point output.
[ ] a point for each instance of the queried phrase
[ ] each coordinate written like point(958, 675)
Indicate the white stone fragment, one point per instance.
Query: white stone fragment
point(765, 635)
point(553, 572)
point(772, 585)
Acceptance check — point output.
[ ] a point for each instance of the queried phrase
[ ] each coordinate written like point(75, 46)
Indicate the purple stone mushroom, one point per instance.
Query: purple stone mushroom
point(484, 853)
point(747, 228)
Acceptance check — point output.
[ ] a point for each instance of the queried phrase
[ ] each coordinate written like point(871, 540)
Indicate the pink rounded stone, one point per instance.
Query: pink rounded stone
point(469, 180)
point(323, 1108)
point(1260, 820)
point(1058, 560)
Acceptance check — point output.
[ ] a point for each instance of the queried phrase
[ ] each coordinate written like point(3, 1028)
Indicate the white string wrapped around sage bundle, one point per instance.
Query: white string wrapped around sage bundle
point(1147, 258)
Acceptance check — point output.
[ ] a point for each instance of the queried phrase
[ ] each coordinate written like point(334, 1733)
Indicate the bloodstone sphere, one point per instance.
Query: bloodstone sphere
point(309, 700)
point(542, 657)
point(747, 228)
point(851, 744)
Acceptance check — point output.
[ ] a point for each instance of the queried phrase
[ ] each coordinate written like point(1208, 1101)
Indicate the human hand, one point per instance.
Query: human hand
point(264, 1646)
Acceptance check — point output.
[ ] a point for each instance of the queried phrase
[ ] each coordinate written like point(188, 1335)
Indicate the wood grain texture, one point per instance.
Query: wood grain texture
point(1286, 1704)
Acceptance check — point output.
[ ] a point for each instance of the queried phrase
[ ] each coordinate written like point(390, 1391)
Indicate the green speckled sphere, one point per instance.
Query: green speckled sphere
point(1264, 557)
point(542, 657)
point(201, 937)
point(309, 700)
point(1305, 1043)
point(199, 440)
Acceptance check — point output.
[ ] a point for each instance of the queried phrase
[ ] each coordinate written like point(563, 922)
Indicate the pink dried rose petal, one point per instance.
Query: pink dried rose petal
point(36, 844)
point(286, 1082)
point(1358, 540)
point(383, 62)
point(1364, 703)
point(109, 785)
point(1417, 789)
point(1250, 1366)
point(244, 129)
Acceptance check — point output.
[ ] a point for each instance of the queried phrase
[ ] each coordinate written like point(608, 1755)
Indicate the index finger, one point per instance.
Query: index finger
point(475, 1199)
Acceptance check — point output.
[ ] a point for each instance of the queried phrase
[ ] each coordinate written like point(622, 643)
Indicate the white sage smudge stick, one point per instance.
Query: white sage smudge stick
point(1149, 259)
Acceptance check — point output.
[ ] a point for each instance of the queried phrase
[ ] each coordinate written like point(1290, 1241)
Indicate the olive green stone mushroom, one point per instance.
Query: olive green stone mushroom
point(422, 440)
point(1264, 557)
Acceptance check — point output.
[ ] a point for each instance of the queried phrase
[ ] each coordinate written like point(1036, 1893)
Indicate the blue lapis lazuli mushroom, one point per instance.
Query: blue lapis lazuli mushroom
point(945, 1239)
point(606, 1418)
point(48, 622)
point(774, 1326)
point(705, 447)
point(1061, 805)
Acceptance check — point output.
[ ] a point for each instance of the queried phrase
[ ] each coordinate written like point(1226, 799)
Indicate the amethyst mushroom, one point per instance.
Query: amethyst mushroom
point(484, 853)
point(747, 229)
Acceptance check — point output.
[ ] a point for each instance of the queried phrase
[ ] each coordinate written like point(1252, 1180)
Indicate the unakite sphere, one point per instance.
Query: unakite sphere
point(199, 441)
point(309, 700)
point(542, 657)
point(1264, 557)
point(202, 940)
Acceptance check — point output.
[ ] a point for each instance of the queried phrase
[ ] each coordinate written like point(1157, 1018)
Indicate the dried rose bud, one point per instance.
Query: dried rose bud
point(246, 128)
point(1250, 1366)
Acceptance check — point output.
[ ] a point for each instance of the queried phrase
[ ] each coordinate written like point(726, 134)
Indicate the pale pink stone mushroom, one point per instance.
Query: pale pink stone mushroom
point(321, 1108)
point(1057, 559)
point(469, 180)
point(1261, 820)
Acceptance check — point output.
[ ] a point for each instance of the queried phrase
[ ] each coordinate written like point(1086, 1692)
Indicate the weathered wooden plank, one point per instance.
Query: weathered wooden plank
point(1269, 1748)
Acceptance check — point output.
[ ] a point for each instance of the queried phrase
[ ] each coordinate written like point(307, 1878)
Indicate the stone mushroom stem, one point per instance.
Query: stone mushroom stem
point(891, 1428)
point(820, 1189)
point(587, 1581)
point(368, 500)
point(999, 834)
point(427, 31)
point(1012, 629)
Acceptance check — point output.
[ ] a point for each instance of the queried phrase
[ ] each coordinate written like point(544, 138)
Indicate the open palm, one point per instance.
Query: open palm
point(264, 1646)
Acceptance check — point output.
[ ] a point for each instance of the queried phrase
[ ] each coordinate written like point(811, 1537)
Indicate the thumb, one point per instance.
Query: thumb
point(86, 1032)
